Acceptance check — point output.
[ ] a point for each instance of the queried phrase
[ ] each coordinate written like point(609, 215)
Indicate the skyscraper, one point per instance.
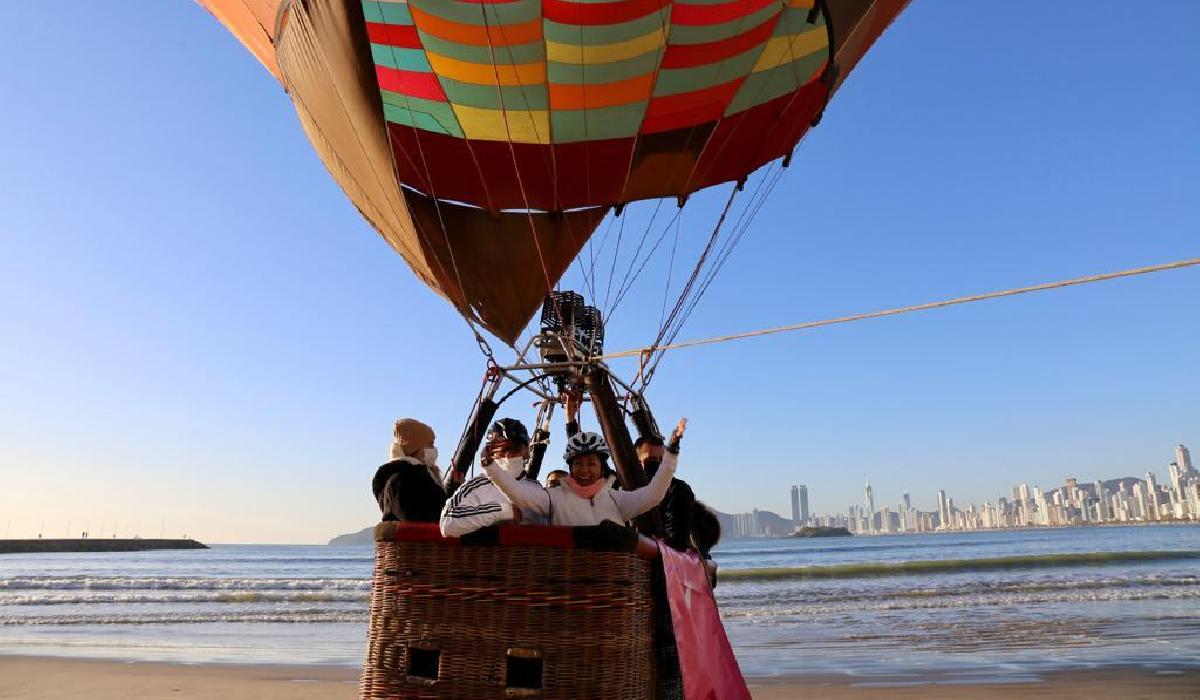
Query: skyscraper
point(870, 502)
point(1183, 458)
point(1176, 480)
point(795, 505)
point(943, 520)
point(1152, 497)
point(803, 504)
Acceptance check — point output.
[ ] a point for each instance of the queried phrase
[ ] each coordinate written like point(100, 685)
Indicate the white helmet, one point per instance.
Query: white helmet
point(585, 444)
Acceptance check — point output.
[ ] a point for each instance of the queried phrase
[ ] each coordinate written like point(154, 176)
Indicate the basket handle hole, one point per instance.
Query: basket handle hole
point(524, 672)
point(424, 663)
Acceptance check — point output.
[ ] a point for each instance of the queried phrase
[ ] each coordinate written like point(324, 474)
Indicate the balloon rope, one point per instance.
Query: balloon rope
point(627, 285)
point(907, 309)
point(687, 288)
point(537, 244)
point(670, 270)
point(749, 213)
point(664, 33)
point(465, 310)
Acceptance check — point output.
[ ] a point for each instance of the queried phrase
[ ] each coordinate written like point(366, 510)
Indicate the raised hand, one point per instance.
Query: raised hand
point(677, 435)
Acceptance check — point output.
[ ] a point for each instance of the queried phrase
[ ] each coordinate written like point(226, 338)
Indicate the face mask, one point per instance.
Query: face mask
point(512, 465)
point(429, 456)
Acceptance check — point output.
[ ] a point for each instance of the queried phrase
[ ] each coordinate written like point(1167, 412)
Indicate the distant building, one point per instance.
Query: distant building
point(1176, 477)
point(795, 505)
point(803, 504)
point(1183, 458)
point(870, 503)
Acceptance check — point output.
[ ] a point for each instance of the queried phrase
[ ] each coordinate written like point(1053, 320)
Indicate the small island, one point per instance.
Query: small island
point(94, 545)
point(822, 532)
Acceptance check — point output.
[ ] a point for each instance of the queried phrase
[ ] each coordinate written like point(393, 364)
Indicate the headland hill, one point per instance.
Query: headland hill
point(37, 546)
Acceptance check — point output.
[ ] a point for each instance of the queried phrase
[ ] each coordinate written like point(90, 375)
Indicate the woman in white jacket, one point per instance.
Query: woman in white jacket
point(587, 496)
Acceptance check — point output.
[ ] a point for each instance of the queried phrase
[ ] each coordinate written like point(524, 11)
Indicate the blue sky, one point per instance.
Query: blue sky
point(201, 334)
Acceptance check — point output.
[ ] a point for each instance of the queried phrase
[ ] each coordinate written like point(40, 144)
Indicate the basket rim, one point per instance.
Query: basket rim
point(550, 536)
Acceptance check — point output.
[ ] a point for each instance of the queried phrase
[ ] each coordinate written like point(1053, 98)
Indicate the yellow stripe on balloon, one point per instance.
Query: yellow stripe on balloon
point(519, 126)
point(590, 55)
point(785, 49)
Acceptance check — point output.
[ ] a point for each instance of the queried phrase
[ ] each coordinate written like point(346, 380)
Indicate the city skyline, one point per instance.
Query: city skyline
point(1116, 499)
point(1103, 500)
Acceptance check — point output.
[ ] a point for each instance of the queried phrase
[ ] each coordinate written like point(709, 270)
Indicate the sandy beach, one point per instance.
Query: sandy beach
point(33, 678)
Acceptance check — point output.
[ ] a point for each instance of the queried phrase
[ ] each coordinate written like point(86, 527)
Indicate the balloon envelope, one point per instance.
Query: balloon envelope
point(486, 139)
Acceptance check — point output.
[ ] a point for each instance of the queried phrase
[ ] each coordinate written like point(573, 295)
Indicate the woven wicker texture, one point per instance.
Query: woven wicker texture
point(588, 615)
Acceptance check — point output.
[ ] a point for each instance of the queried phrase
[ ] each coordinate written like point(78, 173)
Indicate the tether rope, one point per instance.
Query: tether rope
point(907, 309)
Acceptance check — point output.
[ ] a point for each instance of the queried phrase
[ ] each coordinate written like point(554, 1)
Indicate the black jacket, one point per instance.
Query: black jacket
point(405, 490)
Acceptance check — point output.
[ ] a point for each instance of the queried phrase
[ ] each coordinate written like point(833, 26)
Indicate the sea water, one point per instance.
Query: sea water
point(974, 605)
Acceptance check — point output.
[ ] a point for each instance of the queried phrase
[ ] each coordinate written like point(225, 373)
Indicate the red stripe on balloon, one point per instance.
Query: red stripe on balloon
point(402, 36)
point(596, 13)
point(689, 108)
point(691, 55)
point(411, 83)
point(722, 12)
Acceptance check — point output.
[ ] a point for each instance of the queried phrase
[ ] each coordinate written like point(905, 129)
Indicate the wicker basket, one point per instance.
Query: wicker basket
point(532, 617)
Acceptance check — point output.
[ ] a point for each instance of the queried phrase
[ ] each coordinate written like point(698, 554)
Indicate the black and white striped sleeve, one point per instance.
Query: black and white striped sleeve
point(476, 504)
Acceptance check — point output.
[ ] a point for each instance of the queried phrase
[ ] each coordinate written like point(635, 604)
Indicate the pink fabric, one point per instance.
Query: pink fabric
point(710, 671)
point(584, 491)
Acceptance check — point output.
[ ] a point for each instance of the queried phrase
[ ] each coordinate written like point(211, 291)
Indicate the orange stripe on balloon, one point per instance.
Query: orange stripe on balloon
point(477, 34)
point(621, 92)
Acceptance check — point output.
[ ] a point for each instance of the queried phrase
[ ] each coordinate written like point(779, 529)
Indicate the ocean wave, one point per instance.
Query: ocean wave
point(263, 616)
point(855, 546)
point(232, 597)
point(952, 566)
point(783, 594)
point(973, 601)
point(120, 583)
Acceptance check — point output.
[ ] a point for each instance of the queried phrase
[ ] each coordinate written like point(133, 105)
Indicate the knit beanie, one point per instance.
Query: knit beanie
point(410, 437)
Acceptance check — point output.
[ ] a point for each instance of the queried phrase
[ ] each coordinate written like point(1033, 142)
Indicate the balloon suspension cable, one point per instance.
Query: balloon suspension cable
point(526, 385)
point(541, 438)
point(637, 352)
point(680, 302)
point(521, 364)
point(474, 430)
point(630, 392)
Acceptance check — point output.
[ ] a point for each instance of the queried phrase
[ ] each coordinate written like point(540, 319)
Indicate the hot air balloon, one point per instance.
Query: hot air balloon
point(471, 133)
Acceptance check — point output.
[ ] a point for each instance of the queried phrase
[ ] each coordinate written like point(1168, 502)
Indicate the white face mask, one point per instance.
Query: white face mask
point(429, 456)
point(512, 465)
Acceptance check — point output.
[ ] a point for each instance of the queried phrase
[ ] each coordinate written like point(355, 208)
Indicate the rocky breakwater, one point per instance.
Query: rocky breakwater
point(96, 545)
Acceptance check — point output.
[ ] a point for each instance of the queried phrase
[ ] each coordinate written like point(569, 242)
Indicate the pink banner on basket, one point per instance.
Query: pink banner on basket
point(710, 671)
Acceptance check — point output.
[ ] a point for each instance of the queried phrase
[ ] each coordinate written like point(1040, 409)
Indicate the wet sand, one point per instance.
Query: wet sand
point(30, 678)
